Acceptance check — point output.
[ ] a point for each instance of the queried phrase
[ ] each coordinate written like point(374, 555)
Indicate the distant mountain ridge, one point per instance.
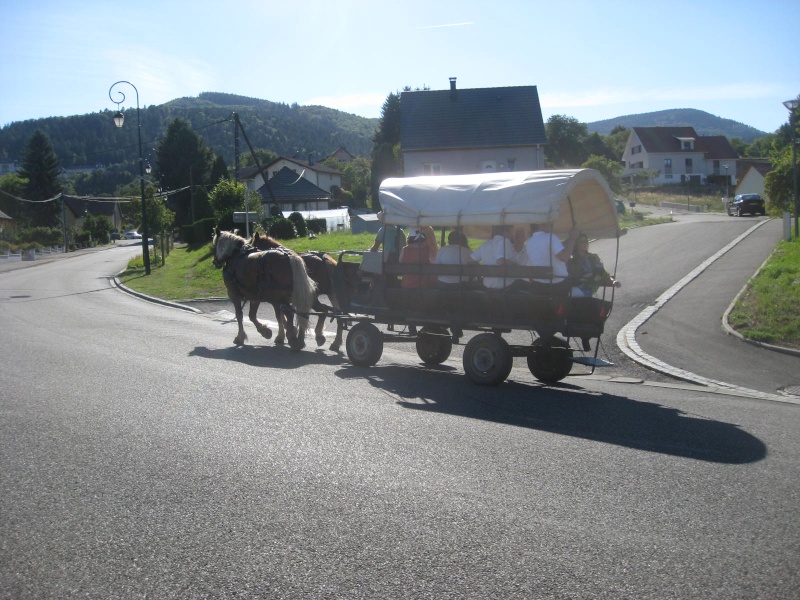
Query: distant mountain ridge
point(309, 132)
point(704, 123)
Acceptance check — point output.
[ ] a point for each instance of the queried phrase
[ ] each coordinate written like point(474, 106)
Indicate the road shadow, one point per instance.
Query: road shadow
point(272, 356)
point(566, 409)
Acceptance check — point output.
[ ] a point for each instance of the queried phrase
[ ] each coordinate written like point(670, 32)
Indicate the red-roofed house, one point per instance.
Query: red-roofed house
point(678, 153)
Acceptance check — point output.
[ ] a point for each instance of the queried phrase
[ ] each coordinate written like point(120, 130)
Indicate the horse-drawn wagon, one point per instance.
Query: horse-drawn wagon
point(369, 294)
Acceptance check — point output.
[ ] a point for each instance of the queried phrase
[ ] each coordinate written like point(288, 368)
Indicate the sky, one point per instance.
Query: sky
point(591, 60)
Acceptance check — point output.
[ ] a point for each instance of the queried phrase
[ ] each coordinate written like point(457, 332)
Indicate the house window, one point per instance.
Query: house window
point(716, 167)
point(637, 165)
point(687, 145)
point(668, 168)
point(489, 166)
point(512, 164)
point(636, 149)
point(689, 166)
point(432, 169)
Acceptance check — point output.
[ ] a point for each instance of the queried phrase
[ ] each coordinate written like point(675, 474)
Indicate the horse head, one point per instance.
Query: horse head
point(226, 244)
point(264, 242)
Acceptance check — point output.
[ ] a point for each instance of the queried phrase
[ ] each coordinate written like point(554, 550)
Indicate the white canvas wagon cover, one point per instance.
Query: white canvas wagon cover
point(568, 198)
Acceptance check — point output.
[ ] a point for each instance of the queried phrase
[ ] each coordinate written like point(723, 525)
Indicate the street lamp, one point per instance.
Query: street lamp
point(119, 119)
point(792, 105)
point(727, 181)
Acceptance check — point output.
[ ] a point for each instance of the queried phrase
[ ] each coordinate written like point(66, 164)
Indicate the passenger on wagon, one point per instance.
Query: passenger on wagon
point(587, 270)
point(455, 253)
point(544, 249)
point(416, 252)
point(392, 238)
point(430, 241)
point(497, 251)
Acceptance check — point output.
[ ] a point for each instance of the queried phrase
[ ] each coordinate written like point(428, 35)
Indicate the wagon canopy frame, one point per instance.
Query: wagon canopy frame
point(568, 198)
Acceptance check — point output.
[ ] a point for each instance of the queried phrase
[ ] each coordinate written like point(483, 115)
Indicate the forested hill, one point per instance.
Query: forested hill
point(93, 139)
point(704, 123)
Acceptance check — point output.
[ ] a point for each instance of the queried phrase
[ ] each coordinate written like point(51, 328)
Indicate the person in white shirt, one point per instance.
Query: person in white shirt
point(544, 249)
point(497, 251)
point(455, 253)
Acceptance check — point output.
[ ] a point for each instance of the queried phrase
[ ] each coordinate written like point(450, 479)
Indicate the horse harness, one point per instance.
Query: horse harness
point(245, 250)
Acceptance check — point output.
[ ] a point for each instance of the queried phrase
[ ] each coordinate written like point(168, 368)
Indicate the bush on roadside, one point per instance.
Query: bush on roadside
point(282, 229)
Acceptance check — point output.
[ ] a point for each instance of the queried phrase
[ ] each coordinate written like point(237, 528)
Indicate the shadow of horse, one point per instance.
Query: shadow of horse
point(273, 357)
point(567, 409)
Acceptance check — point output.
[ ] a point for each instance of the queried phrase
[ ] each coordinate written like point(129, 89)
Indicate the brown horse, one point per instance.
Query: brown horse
point(274, 276)
point(320, 267)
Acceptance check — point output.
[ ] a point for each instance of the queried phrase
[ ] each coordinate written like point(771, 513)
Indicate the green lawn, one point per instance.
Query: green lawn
point(768, 309)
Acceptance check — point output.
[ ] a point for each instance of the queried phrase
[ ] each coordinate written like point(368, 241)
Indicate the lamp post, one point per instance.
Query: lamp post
point(727, 181)
point(119, 119)
point(792, 105)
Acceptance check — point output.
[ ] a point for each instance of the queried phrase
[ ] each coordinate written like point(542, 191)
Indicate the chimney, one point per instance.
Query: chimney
point(452, 89)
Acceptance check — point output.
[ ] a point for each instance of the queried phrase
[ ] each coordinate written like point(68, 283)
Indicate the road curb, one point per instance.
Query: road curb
point(115, 280)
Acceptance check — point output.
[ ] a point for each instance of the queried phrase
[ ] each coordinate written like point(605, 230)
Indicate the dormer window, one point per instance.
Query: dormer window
point(686, 143)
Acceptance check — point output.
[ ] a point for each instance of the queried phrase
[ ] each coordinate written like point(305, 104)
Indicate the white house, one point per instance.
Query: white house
point(750, 175)
point(678, 154)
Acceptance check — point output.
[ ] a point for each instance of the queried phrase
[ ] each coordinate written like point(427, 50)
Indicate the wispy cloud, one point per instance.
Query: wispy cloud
point(447, 25)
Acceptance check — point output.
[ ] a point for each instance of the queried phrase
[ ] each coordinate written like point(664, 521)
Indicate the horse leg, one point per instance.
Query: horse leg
point(285, 325)
point(238, 307)
point(262, 328)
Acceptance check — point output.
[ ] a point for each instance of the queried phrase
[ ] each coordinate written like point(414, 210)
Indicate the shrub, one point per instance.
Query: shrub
point(299, 224)
point(46, 236)
point(317, 225)
point(282, 229)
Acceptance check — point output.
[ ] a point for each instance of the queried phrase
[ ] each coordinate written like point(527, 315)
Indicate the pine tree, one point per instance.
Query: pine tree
point(386, 157)
point(41, 168)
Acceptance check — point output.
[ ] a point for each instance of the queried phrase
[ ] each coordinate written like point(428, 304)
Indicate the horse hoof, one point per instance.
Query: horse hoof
point(320, 340)
point(335, 347)
point(279, 341)
point(267, 333)
point(297, 345)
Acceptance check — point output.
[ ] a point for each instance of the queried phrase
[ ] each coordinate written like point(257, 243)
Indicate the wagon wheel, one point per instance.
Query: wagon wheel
point(434, 345)
point(551, 360)
point(487, 359)
point(364, 344)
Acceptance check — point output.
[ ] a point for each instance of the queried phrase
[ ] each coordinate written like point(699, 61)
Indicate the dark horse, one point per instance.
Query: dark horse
point(320, 267)
point(273, 276)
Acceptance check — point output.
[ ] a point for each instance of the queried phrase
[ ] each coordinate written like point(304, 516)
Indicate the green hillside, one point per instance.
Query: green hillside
point(92, 139)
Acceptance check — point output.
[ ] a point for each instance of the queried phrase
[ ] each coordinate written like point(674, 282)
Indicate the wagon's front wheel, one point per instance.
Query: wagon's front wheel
point(487, 359)
point(551, 360)
point(364, 344)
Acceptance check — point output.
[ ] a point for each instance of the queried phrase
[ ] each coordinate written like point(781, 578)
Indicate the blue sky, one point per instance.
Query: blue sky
point(590, 60)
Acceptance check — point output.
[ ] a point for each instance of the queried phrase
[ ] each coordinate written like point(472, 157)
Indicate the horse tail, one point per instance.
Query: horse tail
point(304, 291)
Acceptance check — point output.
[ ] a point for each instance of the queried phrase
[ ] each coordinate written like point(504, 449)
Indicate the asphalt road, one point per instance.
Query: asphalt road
point(141, 455)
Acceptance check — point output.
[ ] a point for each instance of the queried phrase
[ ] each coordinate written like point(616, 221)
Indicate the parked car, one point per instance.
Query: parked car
point(115, 235)
point(133, 235)
point(746, 204)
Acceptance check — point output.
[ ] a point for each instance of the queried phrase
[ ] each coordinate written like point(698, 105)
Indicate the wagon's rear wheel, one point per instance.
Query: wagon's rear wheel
point(487, 359)
point(434, 345)
point(364, 344)
point(551, 360)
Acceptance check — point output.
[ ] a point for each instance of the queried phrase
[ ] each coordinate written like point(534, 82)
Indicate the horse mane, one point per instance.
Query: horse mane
point(227, 243)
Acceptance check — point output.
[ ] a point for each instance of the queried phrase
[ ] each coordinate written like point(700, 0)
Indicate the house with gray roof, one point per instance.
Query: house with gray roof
point(480, 130)
point(292, 192)
point(679, 154)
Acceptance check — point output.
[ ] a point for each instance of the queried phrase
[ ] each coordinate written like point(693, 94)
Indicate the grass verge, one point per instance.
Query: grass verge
point(767, 311)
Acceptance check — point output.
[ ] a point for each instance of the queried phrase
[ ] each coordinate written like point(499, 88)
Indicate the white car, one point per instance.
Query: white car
point(133, 235)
